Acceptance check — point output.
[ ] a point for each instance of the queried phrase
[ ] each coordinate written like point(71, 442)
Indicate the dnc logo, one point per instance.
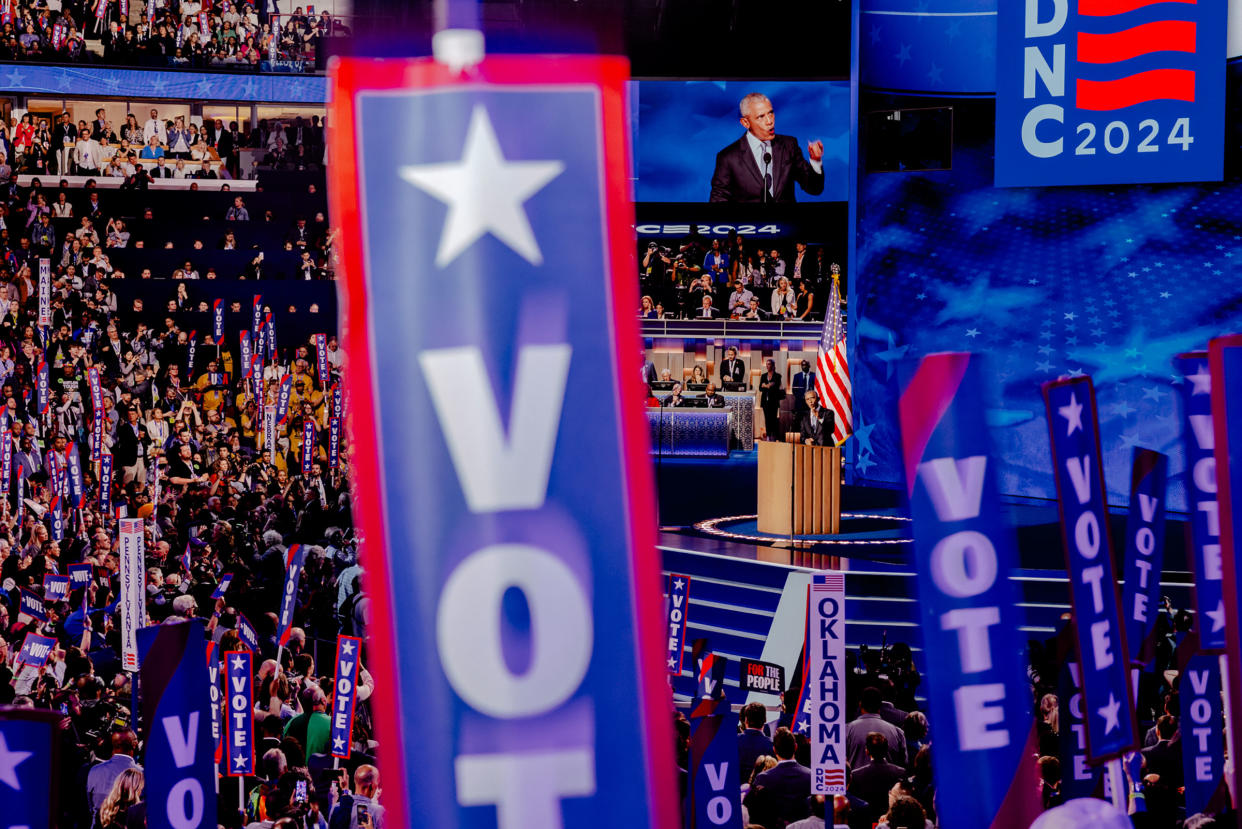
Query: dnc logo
point(1109, 91)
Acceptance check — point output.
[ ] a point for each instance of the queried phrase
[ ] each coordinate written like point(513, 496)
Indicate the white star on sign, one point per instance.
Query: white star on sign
point(679, 584)
point(9, 761)
point(1072, 412)
point(1202, 381)
point(1109, 713)
point(672, 663)
point(337, 742)
point(347, 647)
point(1217, 616)
point(484, 192)
point(238, 663)
point(240, 761)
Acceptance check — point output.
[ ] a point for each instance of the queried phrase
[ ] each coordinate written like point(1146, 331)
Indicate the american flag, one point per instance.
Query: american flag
point(831, 583)
point(832, 368)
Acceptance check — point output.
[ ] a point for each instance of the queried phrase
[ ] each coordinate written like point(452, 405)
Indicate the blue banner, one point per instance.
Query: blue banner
point(214, 700)
point(239, 716)
point(249, 636)
point(55, 588)
point(246, 357)
point(1102, 92)
point(35, 650)
point(282, 398)
point(256, 316)
point(109, 81)
point(713, 797)
point(345, 694)
point(804, 709)
point(79, 575)
point(541, 614)
point(1144, 552)
point(41, 387)
point(294, 560)
point(1202, 727)
point(964, 553)
point(1225, 357)
point(27, 761)
point(190, 352)
point(225, 580)
point(334, 443)
point(105, 483)
point(269, 330)
point(677, 604)
point(709, 674)
point(176, 719)
point(337, 408)
point(308, 445)
point(321, 359)
point(1199, 440)
point(1107, 701)
point(56, 519)
point(217, 322)
point(77, 490)
point(1078, 779)
point(32, 605)
point(6, 460)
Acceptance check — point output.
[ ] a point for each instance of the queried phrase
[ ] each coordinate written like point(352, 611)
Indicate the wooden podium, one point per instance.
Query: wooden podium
point(799, 489)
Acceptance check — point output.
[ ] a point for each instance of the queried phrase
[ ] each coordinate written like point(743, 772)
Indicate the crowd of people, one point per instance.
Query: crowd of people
point(726, 279)
point(140, 151)
point(166, 33)
point(890, 741)
point(183, 426)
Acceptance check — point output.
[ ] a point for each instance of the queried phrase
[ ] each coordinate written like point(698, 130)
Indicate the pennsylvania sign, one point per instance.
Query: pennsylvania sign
point(1109, 91)
point(535, 637)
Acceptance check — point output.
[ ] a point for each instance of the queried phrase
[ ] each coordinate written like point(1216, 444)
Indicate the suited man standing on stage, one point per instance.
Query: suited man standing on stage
point(817, 424)
point(732, 370)
point(762, 166)
point(802, 382)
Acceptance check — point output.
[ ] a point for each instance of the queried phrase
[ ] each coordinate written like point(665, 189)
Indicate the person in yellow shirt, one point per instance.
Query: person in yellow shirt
point(211, 385)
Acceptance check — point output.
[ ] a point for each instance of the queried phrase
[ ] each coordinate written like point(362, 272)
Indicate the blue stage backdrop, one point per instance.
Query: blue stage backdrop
point(1107, 281)
point(679, 126)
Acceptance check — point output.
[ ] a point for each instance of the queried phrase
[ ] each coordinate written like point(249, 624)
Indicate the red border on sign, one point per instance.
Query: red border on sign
point(350, 76)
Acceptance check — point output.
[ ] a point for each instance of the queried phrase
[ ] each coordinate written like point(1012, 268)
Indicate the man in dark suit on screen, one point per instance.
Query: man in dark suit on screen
point(762, 166)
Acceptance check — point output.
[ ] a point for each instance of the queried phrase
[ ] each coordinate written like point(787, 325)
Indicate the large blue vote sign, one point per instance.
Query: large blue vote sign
point(1109, 91)
point(506, 504)
point(28, 770)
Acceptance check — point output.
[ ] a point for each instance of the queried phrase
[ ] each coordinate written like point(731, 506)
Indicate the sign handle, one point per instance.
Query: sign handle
point(1117, 784)
point(1230, 779)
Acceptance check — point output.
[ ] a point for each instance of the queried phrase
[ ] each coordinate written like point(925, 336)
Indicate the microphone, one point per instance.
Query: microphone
point(767, 176)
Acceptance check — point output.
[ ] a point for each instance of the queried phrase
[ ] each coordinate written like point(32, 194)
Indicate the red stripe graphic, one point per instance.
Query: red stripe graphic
point(1159, 36)
point(1156, 85)
point(925, 400)
point(1107, 8)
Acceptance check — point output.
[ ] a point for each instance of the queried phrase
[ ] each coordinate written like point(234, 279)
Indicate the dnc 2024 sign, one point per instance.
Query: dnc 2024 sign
point(1109, 91)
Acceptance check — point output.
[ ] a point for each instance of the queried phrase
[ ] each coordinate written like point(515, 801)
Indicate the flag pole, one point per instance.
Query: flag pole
point(1233, 758)
point(1117, 785)
point(458, 38)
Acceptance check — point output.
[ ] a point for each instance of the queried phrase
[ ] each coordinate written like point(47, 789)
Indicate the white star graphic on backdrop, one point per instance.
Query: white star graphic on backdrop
point(484, 193)
point(1072, 412)
point(9, 761)
point(159, 84)
point(1217, 616)
point(347, 647)
point(203, 86)
point(1202, 381)
point(16, 78)
point(678, 585)
point(1109, 713)
point(238, 663)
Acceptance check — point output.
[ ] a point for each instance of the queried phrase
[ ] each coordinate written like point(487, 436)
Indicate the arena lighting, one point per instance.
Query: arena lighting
point(712, 527)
